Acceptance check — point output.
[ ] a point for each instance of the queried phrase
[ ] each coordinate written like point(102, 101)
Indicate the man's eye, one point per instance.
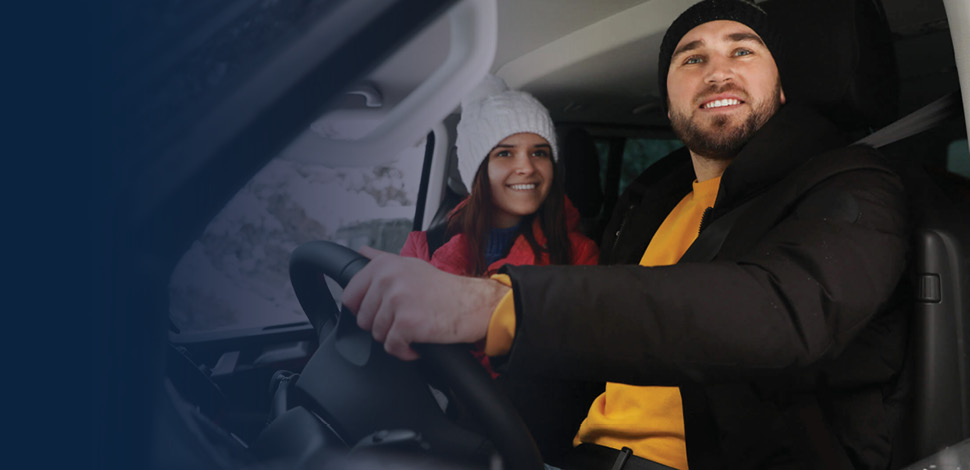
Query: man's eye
point(741, 52)
point(693, 60)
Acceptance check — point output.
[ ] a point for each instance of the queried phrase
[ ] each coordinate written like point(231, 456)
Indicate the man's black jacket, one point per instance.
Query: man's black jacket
point(787, 345)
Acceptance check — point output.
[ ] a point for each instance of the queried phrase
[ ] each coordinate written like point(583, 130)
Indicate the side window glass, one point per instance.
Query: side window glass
point(958, 158)
point(639, 154)
point(236, 275)
point(623, 159)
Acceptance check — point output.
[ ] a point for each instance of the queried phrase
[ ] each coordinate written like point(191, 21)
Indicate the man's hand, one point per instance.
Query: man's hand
point(405, 300)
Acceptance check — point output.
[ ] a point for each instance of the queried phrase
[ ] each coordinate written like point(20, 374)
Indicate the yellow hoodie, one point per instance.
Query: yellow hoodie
point(648, 420)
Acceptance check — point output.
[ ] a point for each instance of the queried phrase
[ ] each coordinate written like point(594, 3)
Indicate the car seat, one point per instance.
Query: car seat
point(839, 56)
point(581, 173)
point(939, 371)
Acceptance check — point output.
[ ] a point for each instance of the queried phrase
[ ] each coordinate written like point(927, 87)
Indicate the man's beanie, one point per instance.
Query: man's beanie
point(742, 11)
point(489, 114)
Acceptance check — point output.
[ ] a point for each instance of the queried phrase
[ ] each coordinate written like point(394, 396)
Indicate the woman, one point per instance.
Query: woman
point(516, 211)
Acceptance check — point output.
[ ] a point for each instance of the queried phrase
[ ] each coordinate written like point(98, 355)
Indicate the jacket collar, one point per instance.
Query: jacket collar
point(790, 138)
point(570, 212)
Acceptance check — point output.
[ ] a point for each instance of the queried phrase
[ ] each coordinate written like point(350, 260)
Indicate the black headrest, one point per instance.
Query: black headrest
point(838, 57)
point(581, 168)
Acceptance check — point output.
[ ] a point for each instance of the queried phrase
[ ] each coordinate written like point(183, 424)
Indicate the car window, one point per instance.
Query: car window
point(638, 155)
point(958, 158)
point(236, 275)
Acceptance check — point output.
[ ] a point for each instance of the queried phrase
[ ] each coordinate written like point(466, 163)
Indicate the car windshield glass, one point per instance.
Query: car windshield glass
point(236, 275)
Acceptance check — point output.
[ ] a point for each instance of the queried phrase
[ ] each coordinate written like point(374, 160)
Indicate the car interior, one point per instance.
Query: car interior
point(371, 90)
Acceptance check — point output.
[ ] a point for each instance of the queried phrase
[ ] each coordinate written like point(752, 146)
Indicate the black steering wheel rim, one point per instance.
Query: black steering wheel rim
point(310, 262)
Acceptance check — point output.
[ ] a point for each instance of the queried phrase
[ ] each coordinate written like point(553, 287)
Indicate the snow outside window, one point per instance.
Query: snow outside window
point(237, 274)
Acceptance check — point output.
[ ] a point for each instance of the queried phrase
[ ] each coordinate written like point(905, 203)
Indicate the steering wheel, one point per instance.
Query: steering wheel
point(360, 389)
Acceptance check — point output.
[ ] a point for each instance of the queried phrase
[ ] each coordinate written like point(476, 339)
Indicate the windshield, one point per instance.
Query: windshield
point(236, 275)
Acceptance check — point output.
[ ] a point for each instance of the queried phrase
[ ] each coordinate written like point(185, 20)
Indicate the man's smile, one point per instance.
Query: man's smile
point(719, 101)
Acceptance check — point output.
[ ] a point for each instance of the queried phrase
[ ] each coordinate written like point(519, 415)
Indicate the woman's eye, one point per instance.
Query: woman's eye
point(503, 153)
point(540, 153)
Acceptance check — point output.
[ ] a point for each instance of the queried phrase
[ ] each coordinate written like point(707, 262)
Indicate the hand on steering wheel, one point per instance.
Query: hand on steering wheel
point(452, 363)
point(405, 300)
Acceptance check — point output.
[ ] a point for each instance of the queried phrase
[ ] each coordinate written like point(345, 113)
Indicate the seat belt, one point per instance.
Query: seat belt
point(439, 223)
point(922, 119)
point(708, 243)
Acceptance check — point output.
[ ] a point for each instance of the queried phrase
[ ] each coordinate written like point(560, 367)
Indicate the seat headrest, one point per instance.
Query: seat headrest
point(581, 169)
point(839, 58)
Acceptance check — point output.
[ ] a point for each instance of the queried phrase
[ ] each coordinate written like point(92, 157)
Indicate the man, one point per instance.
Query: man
point(777, 322)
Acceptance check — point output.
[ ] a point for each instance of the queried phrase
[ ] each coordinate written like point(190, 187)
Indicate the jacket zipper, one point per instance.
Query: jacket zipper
point(616, 236)
point(626, 217)
point(705, 218)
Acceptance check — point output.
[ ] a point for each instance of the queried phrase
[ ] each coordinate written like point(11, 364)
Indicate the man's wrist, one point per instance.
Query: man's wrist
point(501, 325)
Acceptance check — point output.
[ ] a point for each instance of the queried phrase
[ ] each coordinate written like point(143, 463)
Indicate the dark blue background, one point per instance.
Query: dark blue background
point(59, 235)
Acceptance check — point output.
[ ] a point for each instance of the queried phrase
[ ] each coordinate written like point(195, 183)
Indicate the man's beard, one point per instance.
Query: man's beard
point(723, 141)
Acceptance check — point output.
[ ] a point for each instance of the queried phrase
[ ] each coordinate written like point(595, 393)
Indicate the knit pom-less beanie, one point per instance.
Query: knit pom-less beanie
point(489, 114)
point(741, 11)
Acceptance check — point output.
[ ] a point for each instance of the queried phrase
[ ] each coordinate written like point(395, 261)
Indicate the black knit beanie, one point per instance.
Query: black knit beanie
point(742, 11)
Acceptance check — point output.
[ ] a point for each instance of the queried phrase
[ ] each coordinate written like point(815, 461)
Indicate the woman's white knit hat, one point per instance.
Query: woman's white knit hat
point(490, 113)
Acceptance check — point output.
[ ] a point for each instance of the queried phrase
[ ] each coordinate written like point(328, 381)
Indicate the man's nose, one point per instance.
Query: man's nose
point(719, 70)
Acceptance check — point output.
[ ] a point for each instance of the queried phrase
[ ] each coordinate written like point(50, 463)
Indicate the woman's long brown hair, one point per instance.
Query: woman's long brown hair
point(474, 219)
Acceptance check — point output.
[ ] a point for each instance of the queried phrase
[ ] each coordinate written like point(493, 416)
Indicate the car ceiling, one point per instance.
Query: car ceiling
point(594, 62)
